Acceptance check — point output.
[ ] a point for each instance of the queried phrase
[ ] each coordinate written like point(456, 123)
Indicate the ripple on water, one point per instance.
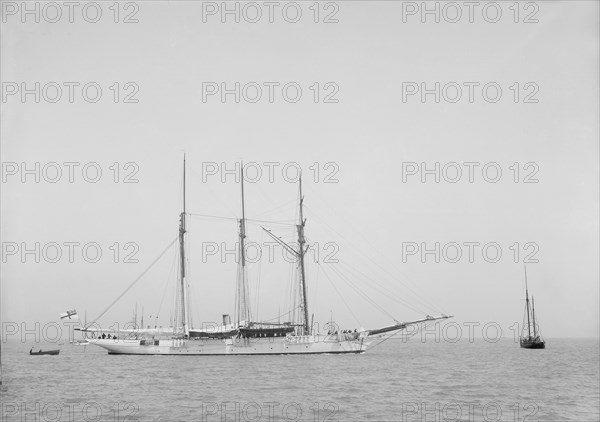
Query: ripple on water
point(562, 381)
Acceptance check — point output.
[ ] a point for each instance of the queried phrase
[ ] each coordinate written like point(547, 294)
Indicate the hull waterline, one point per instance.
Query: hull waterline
point(234, 346)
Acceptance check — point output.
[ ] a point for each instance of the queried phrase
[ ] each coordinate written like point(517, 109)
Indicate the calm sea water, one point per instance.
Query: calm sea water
point(396, 381)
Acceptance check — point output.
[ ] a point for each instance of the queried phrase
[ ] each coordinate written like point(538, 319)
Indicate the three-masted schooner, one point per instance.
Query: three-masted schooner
point(243, 337)
point(529, 340)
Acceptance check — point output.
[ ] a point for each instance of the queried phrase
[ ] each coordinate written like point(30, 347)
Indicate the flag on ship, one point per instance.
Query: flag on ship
point(69, 315)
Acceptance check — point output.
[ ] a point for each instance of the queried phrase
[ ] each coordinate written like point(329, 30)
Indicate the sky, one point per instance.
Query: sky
point(366, 132)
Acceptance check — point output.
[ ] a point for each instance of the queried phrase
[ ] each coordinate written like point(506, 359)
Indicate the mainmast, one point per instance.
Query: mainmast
point(243, 296)
point(527, 304)
point(182, 232)
point(301, 242)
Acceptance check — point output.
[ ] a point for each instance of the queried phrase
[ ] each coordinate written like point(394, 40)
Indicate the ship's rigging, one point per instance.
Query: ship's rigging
point(297, 319)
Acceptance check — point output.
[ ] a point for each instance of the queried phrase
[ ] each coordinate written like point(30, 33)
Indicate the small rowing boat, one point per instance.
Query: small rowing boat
point(44, 352)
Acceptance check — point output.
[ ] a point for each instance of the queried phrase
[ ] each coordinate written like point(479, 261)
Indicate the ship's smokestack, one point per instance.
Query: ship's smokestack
point(226, 319)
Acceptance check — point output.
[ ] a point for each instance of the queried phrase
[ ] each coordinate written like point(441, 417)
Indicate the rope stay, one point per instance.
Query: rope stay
point(424, 302)
point(383, 290)
point(169, 278)
point(138, 278)
point(362, 294)
point(250, 220)
point(340, 295)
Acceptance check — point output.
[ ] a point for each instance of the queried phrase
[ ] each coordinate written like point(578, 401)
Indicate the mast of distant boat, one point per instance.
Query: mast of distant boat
point(301, 251)
point(533, 316)
point(182, 232)
point(527, 304)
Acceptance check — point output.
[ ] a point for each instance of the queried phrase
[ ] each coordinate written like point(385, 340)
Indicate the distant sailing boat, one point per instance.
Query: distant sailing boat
point(529, 341)
point(243, 336)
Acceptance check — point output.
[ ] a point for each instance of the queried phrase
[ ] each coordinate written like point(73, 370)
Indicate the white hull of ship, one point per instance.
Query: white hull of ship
point(290, 345)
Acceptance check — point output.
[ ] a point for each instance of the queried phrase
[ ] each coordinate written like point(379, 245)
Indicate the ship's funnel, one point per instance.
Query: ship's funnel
point(226, 319)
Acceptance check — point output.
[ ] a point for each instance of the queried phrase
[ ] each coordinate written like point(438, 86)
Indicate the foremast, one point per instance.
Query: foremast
point(243, 296)
point(301, 252)
point(182, 272)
